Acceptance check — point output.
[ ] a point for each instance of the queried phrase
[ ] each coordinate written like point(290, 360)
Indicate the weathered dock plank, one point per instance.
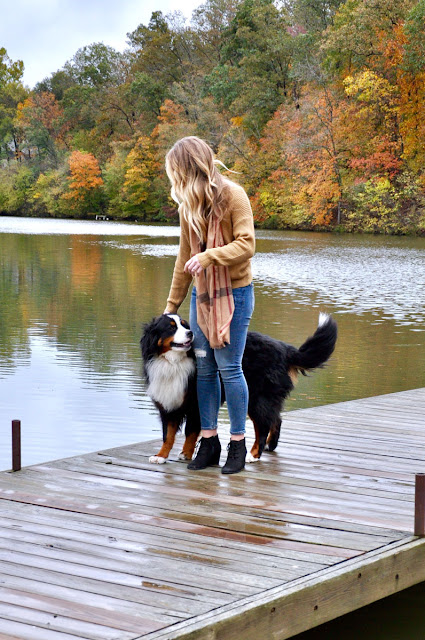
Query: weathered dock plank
point(306, 603)
point(106, 545)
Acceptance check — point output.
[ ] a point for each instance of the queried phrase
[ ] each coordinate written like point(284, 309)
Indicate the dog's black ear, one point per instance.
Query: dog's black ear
point(149, 340)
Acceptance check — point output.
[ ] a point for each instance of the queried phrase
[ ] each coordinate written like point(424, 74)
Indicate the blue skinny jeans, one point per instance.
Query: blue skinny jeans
point(227, 362)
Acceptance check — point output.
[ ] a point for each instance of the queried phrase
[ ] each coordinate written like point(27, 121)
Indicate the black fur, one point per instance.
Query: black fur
point(270, 367)
point(267, 364)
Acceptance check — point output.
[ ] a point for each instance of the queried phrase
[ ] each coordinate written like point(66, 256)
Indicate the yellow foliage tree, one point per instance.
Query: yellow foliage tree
point(142, 168)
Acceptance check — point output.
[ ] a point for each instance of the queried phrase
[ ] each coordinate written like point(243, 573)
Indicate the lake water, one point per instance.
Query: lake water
point(74, 296)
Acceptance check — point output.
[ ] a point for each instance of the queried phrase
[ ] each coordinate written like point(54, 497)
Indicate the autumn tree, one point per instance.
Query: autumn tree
point(139, 180)
point(318, 155)
point(131, 181)
point(172, 124)
point(411, 79)
point(84, 194)
point(114, 176)
point(379, 145)
point(270, 177)
point(41, 119)
point(361, 31)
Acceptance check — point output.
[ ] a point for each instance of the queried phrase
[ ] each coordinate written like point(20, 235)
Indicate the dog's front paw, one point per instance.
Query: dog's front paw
point(183, 456)
point(250, 458)
point(157, 460)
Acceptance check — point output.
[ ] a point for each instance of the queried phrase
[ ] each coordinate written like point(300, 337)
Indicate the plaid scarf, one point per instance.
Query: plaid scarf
point(214, 297)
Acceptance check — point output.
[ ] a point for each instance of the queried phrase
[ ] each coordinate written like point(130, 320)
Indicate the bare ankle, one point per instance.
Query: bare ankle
point(208, 433)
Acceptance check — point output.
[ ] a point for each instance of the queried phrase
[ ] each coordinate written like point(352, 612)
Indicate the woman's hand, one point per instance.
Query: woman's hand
point(193, 266)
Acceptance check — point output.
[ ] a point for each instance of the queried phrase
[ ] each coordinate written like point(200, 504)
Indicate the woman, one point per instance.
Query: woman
point(217, 242)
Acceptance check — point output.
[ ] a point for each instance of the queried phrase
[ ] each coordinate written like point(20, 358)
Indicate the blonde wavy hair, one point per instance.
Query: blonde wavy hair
point(197, 185)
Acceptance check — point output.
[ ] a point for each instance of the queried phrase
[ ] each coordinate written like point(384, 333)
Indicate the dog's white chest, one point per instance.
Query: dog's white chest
point(168, 378)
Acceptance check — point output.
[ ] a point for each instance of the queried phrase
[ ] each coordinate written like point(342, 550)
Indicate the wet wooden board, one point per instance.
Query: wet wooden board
point(106, 545)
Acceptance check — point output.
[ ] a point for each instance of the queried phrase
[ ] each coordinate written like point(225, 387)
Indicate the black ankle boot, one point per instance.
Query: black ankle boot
point(208, 453)
point(236, 457)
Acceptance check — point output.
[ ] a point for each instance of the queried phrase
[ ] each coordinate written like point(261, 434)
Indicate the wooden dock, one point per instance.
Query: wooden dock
point(107, 546)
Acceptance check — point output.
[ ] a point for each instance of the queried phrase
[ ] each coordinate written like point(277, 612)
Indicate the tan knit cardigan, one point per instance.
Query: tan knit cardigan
point(238, 232)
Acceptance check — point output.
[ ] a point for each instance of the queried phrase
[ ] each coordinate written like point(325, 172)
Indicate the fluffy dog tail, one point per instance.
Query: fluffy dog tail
point(317, 349)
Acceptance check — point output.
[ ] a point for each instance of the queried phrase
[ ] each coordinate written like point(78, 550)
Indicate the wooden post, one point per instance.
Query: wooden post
point(16, 445)
point(420, 504)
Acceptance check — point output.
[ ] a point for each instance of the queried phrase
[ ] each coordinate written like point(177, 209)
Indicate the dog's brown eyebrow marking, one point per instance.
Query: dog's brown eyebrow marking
point(173, 323)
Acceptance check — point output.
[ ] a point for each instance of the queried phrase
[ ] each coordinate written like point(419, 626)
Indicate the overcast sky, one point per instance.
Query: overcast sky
point(47, 33)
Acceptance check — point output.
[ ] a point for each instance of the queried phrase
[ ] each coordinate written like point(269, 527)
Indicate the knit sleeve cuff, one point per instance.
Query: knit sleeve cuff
point(171, 308)
point(204, 259)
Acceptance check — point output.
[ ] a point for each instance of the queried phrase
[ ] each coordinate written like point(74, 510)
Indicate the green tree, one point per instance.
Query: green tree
point(47, 193)
point(156, 50)
point(210, 21)
point(253, 75)
point(313, 16)
point(165, 54)
point(414, 48)
point(114, 176)
point(97, 65)
point(56, 84)
point(16, 181)
point(12, 92)
point(96, 102)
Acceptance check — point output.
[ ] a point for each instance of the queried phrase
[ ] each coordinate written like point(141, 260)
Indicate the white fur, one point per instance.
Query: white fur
point(250, 458)
point(168, 375)
point(323, 318)
point(157, 460)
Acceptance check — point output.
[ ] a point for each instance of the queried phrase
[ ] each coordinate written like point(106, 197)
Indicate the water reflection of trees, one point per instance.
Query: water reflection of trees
point(85, 294)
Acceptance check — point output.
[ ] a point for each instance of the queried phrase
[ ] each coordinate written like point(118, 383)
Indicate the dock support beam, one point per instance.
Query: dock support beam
point(420, 505)
point(16, 445)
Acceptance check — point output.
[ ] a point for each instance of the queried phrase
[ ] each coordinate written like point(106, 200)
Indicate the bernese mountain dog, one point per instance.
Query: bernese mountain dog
point(271, 368)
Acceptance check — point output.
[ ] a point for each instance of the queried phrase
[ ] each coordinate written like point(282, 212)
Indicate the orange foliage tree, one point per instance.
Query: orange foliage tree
point(409, 60)
point(310, 156)
point(84, 195)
